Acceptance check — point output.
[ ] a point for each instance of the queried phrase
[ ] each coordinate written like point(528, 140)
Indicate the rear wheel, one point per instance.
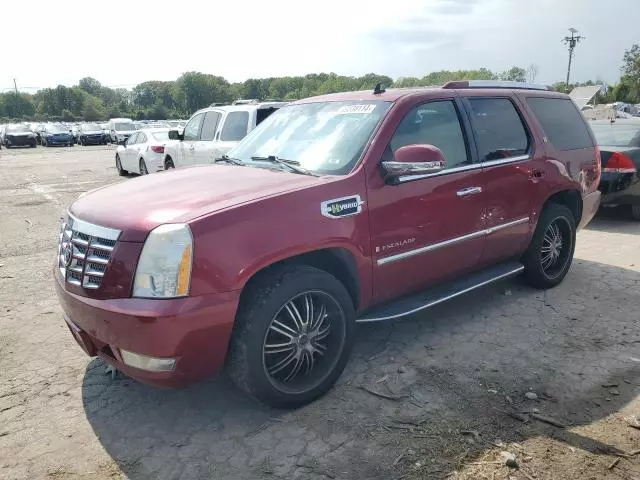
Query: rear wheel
point(121, 171)
point(635, 212)
point(143, 167)
point(550, 253)
point(293, 336)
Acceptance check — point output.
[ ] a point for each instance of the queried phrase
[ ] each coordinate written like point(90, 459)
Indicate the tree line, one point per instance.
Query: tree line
point(89, 100)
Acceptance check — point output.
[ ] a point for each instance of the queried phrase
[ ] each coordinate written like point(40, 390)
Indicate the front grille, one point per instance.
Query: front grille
point(84, 252)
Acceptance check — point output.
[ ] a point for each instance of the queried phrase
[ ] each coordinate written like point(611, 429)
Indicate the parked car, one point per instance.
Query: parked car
point(105, 130)
point(120, 129)
point(55, 134)
point(212, 132)
point(344, 208)
point(18, 136)
point(143, 152)
point(619, 143)
point(91, 134)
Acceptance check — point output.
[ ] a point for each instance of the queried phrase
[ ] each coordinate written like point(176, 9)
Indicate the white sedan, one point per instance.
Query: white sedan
point(143, 152)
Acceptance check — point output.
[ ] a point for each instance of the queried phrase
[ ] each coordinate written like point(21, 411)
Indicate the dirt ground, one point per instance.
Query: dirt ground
point(440, 395)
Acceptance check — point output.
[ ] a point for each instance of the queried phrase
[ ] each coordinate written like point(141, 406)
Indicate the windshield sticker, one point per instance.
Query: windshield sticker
point(363, 109)
point(342, 207)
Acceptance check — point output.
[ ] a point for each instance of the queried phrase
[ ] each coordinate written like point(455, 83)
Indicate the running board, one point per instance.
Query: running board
point(440, 293)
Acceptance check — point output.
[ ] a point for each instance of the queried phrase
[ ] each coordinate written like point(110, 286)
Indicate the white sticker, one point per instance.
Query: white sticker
point(364, 109)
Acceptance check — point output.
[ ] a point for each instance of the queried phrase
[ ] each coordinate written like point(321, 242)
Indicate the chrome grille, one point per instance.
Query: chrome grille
point(84, 252)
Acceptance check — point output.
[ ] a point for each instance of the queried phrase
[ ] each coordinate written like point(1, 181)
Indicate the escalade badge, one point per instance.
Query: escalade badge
point(67, 254)
point(342, 207)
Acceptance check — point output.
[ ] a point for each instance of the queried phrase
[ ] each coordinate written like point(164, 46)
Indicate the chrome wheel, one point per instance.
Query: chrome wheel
point(303, 341)
point(556, 247)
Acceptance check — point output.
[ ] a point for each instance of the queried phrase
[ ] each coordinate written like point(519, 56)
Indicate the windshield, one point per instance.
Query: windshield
point(57, 129)
point(91, 127)
point(17, 129)
point(160, 135)
point(617, 135)
point(124, 127)
point(323, 137)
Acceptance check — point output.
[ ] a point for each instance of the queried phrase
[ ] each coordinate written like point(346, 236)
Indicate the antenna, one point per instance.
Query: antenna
point(378, 89)
point(572, 42)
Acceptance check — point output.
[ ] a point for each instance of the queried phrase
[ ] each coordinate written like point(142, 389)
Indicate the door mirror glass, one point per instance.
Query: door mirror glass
point(175, 135)
point(411, 161)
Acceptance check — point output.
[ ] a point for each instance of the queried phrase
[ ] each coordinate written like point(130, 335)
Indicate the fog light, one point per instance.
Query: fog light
point(143, 362)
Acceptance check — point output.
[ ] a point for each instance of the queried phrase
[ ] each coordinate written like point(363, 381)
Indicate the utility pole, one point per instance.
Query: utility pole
point(15, 85)
point(571, 41)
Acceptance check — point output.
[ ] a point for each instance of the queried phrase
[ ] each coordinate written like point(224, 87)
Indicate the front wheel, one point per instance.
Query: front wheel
point(143, 167)
point(550, 253)
point(121, 171)
point(168, 163)
point(293, 335)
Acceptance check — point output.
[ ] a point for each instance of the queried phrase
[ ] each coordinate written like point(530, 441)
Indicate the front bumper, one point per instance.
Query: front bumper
point(93, 139)
point(590, 205)
point(620, 188)
point(20, 141)
point(194, 330)
point(59, 140)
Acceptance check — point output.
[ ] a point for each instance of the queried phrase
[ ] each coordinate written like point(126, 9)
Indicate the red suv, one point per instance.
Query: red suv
point(339, 209)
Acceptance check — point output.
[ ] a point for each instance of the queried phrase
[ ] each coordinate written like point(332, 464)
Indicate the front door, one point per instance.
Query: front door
point(191, 138)
point(508, 155)
point(205, 151)
point(430, 228)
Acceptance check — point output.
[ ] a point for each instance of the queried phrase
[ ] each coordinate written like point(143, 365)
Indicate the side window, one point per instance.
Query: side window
point(132, 139)
point(192, 129)
point(142, 138)
point(235, 127)
point(434, 123)
point(209, 125)
point(562, 123)
point(498, 128)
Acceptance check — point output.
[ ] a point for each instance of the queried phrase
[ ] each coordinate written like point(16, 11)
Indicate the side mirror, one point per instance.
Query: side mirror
point(175, 135)
point(412, 161)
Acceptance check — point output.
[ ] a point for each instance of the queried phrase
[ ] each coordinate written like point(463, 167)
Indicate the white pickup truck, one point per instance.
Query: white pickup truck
point(213, 131)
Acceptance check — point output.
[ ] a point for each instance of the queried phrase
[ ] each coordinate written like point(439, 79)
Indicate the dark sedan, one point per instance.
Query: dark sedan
point(91, 134)
point(56, 135)
point(619, 143)
point(19, 136)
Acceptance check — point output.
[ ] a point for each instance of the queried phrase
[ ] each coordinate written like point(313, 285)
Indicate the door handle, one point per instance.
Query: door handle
point(469, 191)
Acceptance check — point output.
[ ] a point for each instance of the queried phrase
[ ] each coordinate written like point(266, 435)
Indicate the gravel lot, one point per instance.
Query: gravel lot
point(446, 380)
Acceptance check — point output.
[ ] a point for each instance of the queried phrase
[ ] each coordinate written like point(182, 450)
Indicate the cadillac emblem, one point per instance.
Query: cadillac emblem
point(67, 254)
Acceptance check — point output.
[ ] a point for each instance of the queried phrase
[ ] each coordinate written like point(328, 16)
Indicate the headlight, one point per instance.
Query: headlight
point(164, 268)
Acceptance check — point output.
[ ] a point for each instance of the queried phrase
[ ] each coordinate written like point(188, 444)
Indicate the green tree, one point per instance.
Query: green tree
point(93, 109)
point(17, 105)
point(201, 90)
point(68, 116)
point(514, 74)
point(90, 85)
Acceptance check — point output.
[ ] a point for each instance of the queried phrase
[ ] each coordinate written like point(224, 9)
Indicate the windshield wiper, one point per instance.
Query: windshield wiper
point(292, 165)
point(228, 159)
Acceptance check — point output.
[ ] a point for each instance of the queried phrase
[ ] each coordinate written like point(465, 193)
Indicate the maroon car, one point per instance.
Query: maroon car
point(352, 207)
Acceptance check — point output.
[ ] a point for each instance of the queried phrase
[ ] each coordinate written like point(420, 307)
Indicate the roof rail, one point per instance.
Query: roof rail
point(494, 84)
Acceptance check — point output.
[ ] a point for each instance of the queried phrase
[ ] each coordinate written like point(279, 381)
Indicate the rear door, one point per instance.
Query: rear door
point(187, 147)
point(509, 157)
point(430, 228)
point(206, 150)
point(234, 129)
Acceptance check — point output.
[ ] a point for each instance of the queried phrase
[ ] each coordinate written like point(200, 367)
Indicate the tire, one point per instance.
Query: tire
point(143, 167)
point(72, 144)
point(121, 171)
point(635, 212)
point(168, 163)
point(555, 235)
point(265, 302)
point(33, 145)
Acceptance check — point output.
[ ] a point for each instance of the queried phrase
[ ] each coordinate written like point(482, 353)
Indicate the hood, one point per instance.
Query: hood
point(19, 134)
point(57, 134)
point(139, 205)
point(93, 132)
point(125, 132)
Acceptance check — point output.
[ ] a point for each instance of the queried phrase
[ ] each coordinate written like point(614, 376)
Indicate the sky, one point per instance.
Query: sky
point(123, 43)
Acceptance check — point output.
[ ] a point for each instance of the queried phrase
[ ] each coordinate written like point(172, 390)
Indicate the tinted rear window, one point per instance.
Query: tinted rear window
point(160, 135)
point(561, 121)
point(235, 127)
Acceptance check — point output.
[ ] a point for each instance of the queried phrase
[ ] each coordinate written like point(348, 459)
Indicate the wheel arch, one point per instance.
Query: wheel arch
point(570, 198)
point(337, 261)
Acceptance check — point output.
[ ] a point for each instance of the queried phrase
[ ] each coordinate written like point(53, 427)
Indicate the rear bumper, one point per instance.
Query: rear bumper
point(590, 205)
point(194, 331)
point(620, 188)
